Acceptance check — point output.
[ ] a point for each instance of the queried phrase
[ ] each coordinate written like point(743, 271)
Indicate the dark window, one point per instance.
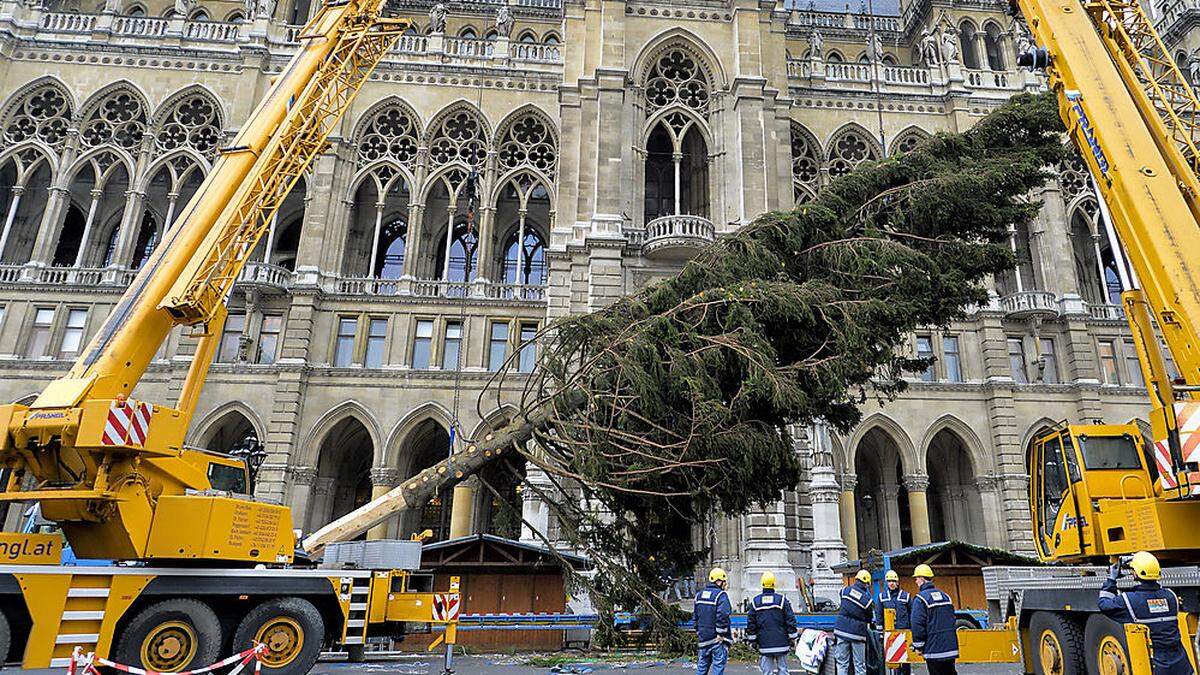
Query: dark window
point(925, 351)
point(227, 478)
point(231, 338)
point(268, 338)
point(1109, 452)
point(343, 353)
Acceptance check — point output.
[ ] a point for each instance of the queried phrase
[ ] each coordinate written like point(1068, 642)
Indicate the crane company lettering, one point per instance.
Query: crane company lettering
point(31, 549)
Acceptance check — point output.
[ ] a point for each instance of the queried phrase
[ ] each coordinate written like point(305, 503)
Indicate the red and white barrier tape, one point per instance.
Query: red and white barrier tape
point(86, 664)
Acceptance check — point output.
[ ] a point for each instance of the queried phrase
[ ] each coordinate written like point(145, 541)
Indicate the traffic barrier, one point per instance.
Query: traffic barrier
point(87, 664)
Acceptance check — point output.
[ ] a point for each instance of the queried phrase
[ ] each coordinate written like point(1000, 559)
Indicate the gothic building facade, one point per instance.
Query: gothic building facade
point(611, 140)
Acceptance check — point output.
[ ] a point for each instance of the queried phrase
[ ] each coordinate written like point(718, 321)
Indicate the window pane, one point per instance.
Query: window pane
point(1133, 367)
point(72, 337)
point(451, 343)
point(343, 354)
point(1049, 361)
point(39, 337)
point(498, 347)
point(1108, 362)
point(1016, 360)
point(268, 338)
point(1109, 452)
point(925, 351)
point(422, 345)
point(951, 359)
point(528, 355)
point(376, 339)
point(231, 337)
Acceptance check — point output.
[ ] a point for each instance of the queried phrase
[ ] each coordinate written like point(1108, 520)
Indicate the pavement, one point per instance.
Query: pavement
point(516, 665)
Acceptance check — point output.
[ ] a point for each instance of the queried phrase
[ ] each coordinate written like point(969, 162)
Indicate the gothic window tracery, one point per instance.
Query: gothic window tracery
point(391, 134)
point(193, 122)
point(44, 114)
point(806, 165)
point(1073, 179)
point(529, 142)
point(676, 78)
point(459, 137)
point(907, 141)
point(849, 149)
point(119, 119)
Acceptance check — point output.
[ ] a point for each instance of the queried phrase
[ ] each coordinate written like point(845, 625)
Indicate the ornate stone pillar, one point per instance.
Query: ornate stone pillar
point(320, 498)
point(535, 515)
point(889, 506)
point(848, 515)
point(828, 547)
point(383, 479)
point(918, 508)
point(765, 549)
point(992, 508)
point(301, 479)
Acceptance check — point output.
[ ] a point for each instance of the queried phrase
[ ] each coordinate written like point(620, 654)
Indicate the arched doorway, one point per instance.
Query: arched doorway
point(881, 502)
point(955, 507)
point(343, 481)
point(427, 444)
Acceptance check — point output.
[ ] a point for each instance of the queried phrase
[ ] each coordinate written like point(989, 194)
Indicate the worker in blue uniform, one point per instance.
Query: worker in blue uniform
point(710, 617)
point(771, 626)
point(1150, 604)
point(896, 599)
point(850, 630)
point(933, 631)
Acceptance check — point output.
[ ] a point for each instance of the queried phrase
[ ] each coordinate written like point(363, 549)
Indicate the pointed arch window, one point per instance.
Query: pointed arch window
point(529, 142)
point(193, 123)
point(676, 169)
point(462, 261)
point(43, 114)
point(850, 149)
point(966, 41)
point(991, 45)
point(805, 165)
point(391, 134)
point(525, 263)
point(393, 239)
point(119, 118)
point(676, 78)
point(459, 137)
point(147, 241)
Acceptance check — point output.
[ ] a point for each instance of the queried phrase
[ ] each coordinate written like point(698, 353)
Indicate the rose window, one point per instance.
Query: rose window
point(677, 79)
point(43, 115)
point(391, 134)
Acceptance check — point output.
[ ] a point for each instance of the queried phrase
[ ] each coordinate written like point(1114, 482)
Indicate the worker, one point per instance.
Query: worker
point(932, 618)
point(771, 625)
point(710, 617)
point(850, 629)
point(896, 599)
point(1150, 604)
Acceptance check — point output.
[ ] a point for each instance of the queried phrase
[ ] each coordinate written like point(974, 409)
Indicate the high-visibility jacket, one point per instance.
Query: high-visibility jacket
point(771, 623)
point(710, 616)
point(854, 613)
point(1157, 607)
point(933, 629)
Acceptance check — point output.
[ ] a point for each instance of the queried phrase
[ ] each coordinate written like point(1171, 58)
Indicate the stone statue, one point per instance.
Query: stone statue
point(1193, 68)
point(264, 9)
point(949, 47)
point(929, 49)
point(816, 45)
point(184, 7)
point(112, 6)
point(437, 18)
point(504, 21)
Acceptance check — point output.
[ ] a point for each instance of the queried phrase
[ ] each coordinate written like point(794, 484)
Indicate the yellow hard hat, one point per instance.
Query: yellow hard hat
point(892, 576)
point(768, 580)
point(717, 574)
point(1145, 566)
point(863, 576)
point(923, 571)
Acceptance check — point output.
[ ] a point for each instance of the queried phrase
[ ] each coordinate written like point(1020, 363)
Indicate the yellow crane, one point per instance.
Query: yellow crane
point(1098, 491)
point(211, 567)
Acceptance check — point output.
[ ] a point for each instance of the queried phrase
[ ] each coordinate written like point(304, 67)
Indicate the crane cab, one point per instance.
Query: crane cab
point(1094, 494)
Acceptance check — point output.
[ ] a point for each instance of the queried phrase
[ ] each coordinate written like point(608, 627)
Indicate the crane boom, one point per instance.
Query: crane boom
point(108, 468)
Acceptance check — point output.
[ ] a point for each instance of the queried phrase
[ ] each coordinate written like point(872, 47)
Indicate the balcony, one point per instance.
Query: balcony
point(1106, 312)
point(1030, 305)
point(677, 237)
point(101, 278)
point(265, 278)
point(409, 288)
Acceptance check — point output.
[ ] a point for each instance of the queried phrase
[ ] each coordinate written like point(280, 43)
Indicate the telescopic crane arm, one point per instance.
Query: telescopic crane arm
point(113, 471)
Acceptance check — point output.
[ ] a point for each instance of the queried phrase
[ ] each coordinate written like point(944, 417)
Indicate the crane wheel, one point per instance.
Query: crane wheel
point(171, 636)
point(1104, 646)
point(291, 628)
point(1056, 644)
point(5, 638)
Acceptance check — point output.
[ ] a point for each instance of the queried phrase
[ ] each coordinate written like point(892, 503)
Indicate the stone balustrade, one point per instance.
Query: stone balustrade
point(677, 236)
point(893, 79)
point(1030, 304)
point(1106, 312)
point(408, 287)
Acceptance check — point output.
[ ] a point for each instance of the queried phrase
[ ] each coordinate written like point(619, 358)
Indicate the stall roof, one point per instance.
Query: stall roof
point(491, 552)
point(952, 553)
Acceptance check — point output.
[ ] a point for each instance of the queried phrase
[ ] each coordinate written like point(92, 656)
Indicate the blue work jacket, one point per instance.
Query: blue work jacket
point(710, 617)
point(1157, 607)
point(771, 623)
point(933, 628)
point(854, 613)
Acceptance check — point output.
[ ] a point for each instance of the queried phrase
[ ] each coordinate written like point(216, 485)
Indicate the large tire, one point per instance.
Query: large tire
point(293, 631)
point(1104, 648)
point(171, 635)
point(1056, 645)
point(5, 638)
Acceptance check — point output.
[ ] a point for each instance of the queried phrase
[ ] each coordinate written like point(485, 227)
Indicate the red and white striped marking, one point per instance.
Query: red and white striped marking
point(127, 424)
point(86, 664)
point(1162, 457)
point(895, 646)
point(446, 607)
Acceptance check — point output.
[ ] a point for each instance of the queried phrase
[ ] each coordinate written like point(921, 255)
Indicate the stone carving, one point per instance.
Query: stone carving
point(437, 18)
point(184, 7)
point(1193, 67)
point(875, 48)
point(816, 44)
point(949, 47)
point(930, 55)
point(504, 21)
point(264, 9)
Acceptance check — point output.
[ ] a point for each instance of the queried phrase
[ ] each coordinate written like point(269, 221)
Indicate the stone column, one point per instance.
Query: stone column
point(535, 515)
point(918, 508)
point(765, 549)
point(320, 496)
point(302, 478)
point(383, 479)
point(828, 547)
point(849, 518)
point(462, 508)
point(889, 506)
point(992, 506)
